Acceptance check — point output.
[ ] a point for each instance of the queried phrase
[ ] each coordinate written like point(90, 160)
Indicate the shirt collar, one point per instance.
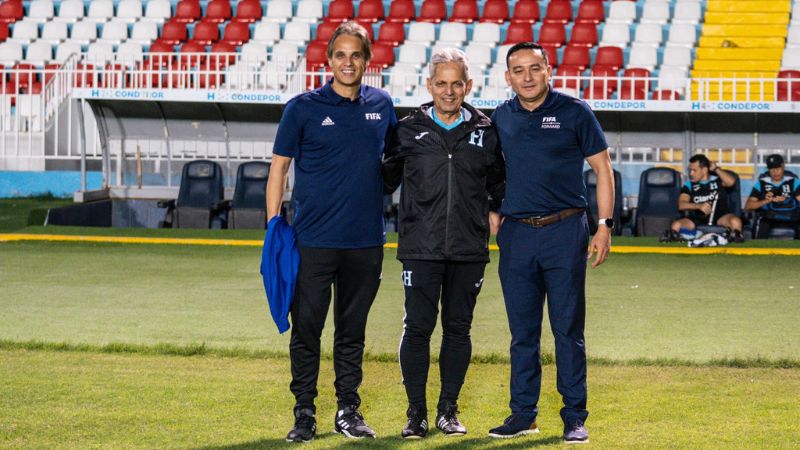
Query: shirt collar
point(328, 92)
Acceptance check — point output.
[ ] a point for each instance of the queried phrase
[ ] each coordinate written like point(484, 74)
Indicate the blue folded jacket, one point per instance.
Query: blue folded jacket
point(280, 261)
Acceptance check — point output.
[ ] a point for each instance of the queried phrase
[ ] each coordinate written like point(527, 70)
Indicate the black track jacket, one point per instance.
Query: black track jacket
point(450, 180)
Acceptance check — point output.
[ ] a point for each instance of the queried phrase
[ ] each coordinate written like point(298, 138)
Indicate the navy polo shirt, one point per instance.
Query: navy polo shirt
point(337, 145)
point(544, 151)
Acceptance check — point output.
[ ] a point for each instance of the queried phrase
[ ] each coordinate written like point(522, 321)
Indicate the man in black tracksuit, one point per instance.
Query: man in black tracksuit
point(447, 157)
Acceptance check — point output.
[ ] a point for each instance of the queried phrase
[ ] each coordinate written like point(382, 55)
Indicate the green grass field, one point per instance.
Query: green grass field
point(685, 351)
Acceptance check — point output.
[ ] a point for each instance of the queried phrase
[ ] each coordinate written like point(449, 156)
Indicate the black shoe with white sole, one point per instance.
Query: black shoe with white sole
point(447, 421)
point(350, 423)
point(514, 426)
point(417, 426)
point(305, 426)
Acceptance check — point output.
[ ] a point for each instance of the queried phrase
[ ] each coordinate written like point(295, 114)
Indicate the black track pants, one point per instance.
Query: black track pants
point(457, 284)
point(355, 276)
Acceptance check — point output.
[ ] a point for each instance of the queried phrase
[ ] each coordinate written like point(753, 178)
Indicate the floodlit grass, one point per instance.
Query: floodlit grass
point(653, 307)
point(14, 211)
point(82, 400)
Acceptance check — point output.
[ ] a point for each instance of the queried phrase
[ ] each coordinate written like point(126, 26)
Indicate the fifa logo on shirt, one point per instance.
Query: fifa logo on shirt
point(407, 278)
point(476, 138)
point(550, 122)
point(373, 116)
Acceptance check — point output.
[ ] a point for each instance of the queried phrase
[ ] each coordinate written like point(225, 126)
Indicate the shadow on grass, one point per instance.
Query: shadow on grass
point(392, 442)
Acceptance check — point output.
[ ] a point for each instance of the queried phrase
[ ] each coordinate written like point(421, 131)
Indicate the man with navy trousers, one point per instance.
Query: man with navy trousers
point(546, 136)
point(336, 136)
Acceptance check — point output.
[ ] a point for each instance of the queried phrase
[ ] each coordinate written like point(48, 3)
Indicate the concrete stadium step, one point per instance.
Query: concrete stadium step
point(739, 54)
point(731, 31)
point(737, 66)
point(777, 42)
point(746, 18)
point(757, 6)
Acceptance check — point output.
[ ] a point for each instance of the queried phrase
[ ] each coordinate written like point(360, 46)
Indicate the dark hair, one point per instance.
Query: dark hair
point(352, 29)
point(700, 159)
point(527, 46)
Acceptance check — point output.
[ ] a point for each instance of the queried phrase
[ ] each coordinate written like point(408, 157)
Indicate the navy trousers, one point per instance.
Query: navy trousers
point(546, 262)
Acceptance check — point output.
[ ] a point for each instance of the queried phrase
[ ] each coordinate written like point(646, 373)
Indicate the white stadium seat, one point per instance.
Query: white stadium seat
point(41, 10)
point(297, 33)
point(10, 53)
point(675, 56)
point(687, 12)
point(70, 10)
point(65, 50)
point(403, 80)
point(115, 31)
point(479, 54)
point(267, 33)
point(655, 11)
point(672, 78)
point(791, 59)
point(144, 32)
point(100, 10)
point(649, 34)
point(486, 33)
point(643, 56)
point(238, 76)
point(621, 12)
point(284, 53)
point(158, 10)
point(616, 34)
point(453, 34)
point(129, 10)
point(25, 31)
point(279, 11)
point(54, 32)
point(793, 38)
point(129, 53)
point(39, 53)
point(682, 34)
point(100, 53)
point(500, 56)
point(84, 32)
point(413, 54)
point(253, 54)
point(309, 10)
point(421, 32)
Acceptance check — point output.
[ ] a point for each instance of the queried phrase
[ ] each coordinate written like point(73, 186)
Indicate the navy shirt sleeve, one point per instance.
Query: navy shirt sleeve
point(591, 138)
point(290, 132)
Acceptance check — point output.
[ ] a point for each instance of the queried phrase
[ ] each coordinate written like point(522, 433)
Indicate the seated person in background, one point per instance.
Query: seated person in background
point(776, 197)
point(704, 200)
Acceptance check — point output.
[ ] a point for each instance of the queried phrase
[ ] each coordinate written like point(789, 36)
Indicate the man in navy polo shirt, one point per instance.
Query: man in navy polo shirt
point(335, 135)
point(546, 136)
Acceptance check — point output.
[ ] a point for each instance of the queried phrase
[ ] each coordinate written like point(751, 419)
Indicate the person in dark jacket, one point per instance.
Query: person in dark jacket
point(447, 157)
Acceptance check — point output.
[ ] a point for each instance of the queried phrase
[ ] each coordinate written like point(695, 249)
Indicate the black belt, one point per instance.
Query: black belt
point(543, 221)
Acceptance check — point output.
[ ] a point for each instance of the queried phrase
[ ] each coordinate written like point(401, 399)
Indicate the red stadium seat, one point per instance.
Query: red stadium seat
point(370, 10)
point(222, 54)
point(218, 11)
point(526, 11)
point(50, 71)
point(789, 85)
point(432, 11)
point(666, 94)
point(609, 56)
point(340, 11)
point(174, 32)
point(11, 11)
point(368, 25)
point(149, 74)
point(114, 76)
point(576, 57)
point(158, 46)
point(22, 75)
point(464, 11)
point(519, 32)
point(84, 76)
point(3, 31)
point(604, 77)
point(567, 78)
point(249, 11)
point(382, 56)
point(632, 87)
point(591, 11)
point(583, 35)
point(206, 32)
point(552, 34)
point(209, 76)
point(236, 33)
point(192, 54)
point(316, 55)
point(495, 11)
point(188, 11)
point(392, 33)
point(325, 31)
point(401, 11)
point(558, 11)
point(552, 54)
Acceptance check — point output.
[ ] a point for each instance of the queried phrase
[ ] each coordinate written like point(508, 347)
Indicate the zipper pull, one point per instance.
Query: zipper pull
point(449, 156)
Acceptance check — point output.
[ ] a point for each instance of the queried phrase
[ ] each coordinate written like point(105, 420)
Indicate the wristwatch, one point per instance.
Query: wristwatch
point(609, 222)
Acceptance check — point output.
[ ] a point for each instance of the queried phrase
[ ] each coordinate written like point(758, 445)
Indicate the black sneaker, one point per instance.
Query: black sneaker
point(350, 423)
point(417, 426)
point(514, 426)
point(737, 237)
point(575, 433)
point(447, 421)
point(305, 426)
point(670, 236)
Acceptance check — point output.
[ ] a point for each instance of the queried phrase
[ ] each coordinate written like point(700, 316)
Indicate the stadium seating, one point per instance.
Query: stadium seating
point(659, 188)
point(200, 198)
point(590, 180)
point(248, 205)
